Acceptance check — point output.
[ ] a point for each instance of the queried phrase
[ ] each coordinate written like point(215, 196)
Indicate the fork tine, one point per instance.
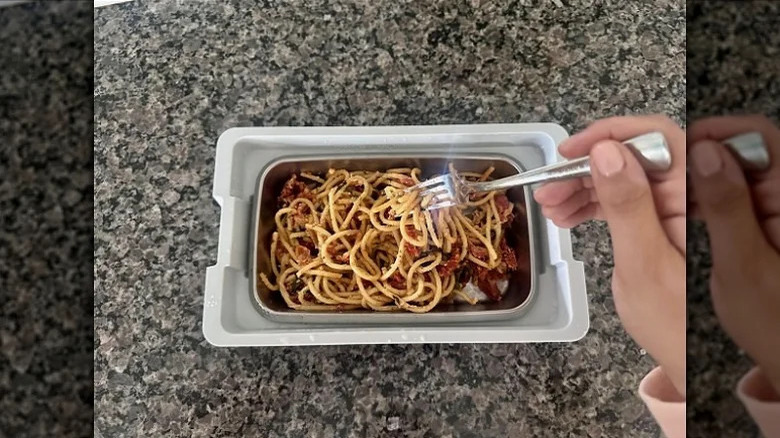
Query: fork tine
point(433, 199)
point(437, 193)
point(438, 190)
point(430, 182)
point(436, 201)
point(442, 204)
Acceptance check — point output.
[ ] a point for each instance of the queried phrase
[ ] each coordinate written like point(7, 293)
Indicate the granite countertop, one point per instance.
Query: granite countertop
point(170, 77)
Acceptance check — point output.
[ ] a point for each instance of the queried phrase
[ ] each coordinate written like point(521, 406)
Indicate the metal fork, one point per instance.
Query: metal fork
point(651, 150)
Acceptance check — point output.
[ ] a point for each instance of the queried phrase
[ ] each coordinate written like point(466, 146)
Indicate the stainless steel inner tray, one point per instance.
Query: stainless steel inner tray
point(522, 283)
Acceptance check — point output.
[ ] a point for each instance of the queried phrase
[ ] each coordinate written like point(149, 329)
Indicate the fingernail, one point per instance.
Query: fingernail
point(574, 138)
point(706, 159)
point(536, 194)
point(607, 158)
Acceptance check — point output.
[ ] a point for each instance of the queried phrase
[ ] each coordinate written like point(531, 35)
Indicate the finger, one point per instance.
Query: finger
point(771, 227)
point(589, 212)
point(766, 184)
point(555, 193)
point(766, 199)
point(724, 127)
point(627, 203)
point(675, 229)
point(587, 182)
point(568, 207)
point(725, 201)
point(625, 128)
point(767, 196)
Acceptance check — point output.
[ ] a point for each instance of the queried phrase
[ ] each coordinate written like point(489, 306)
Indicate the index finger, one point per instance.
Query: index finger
point(624, 128)
point(722, 127)
point(764, 184)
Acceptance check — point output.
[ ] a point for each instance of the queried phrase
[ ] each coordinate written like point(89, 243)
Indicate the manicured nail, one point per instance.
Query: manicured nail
point(706, 159)
point(536, 194)
point(607, 158)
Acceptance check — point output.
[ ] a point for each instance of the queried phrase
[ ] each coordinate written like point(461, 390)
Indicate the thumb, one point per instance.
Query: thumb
point(726, 205)
point(627, 203)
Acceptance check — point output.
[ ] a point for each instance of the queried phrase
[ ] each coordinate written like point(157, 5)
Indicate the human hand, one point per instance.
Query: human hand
point(646, 219)
point(742, 215)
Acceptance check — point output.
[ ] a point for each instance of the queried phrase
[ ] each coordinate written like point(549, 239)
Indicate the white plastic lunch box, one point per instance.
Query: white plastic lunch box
point(233, 315)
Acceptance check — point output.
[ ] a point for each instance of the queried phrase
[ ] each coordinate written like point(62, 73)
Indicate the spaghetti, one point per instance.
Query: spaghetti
point(349, 240)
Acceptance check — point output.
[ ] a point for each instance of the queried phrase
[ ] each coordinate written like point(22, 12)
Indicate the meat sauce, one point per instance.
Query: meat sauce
point(294, 189)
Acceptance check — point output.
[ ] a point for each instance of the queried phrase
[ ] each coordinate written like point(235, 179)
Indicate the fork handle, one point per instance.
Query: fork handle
point(651, 150)
point(653, 153)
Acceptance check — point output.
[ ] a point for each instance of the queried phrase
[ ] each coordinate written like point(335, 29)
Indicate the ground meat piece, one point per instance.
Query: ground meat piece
point(508, 256)
point(407, 181)
point(412, 250)
point(504, 208)
point(478, 271)
point(479, 251)
point(486, 280)
point(280, 250)
point(490, 288)
point(338, 255)
point(294, 189)
point(301, 208)
point(298, 221)
point(397, 280)
point(452, 263)
point(302, 255)
point(308, 244)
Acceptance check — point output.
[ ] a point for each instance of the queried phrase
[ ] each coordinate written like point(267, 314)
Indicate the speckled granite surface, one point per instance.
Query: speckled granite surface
point(729, 44)
point(46, 220)
point(170, 78)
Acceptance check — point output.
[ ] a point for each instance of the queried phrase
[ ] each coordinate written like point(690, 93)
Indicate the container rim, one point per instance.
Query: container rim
point(385, 318)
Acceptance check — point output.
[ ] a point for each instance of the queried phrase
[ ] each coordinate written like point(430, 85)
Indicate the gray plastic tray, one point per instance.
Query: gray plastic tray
point(558, 312)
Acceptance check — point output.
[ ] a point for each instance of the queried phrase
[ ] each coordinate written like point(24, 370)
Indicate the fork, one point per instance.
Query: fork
point(651, 150)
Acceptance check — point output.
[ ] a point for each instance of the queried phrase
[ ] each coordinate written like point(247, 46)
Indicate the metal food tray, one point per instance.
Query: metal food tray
point(555, 309)
point(520, 289)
